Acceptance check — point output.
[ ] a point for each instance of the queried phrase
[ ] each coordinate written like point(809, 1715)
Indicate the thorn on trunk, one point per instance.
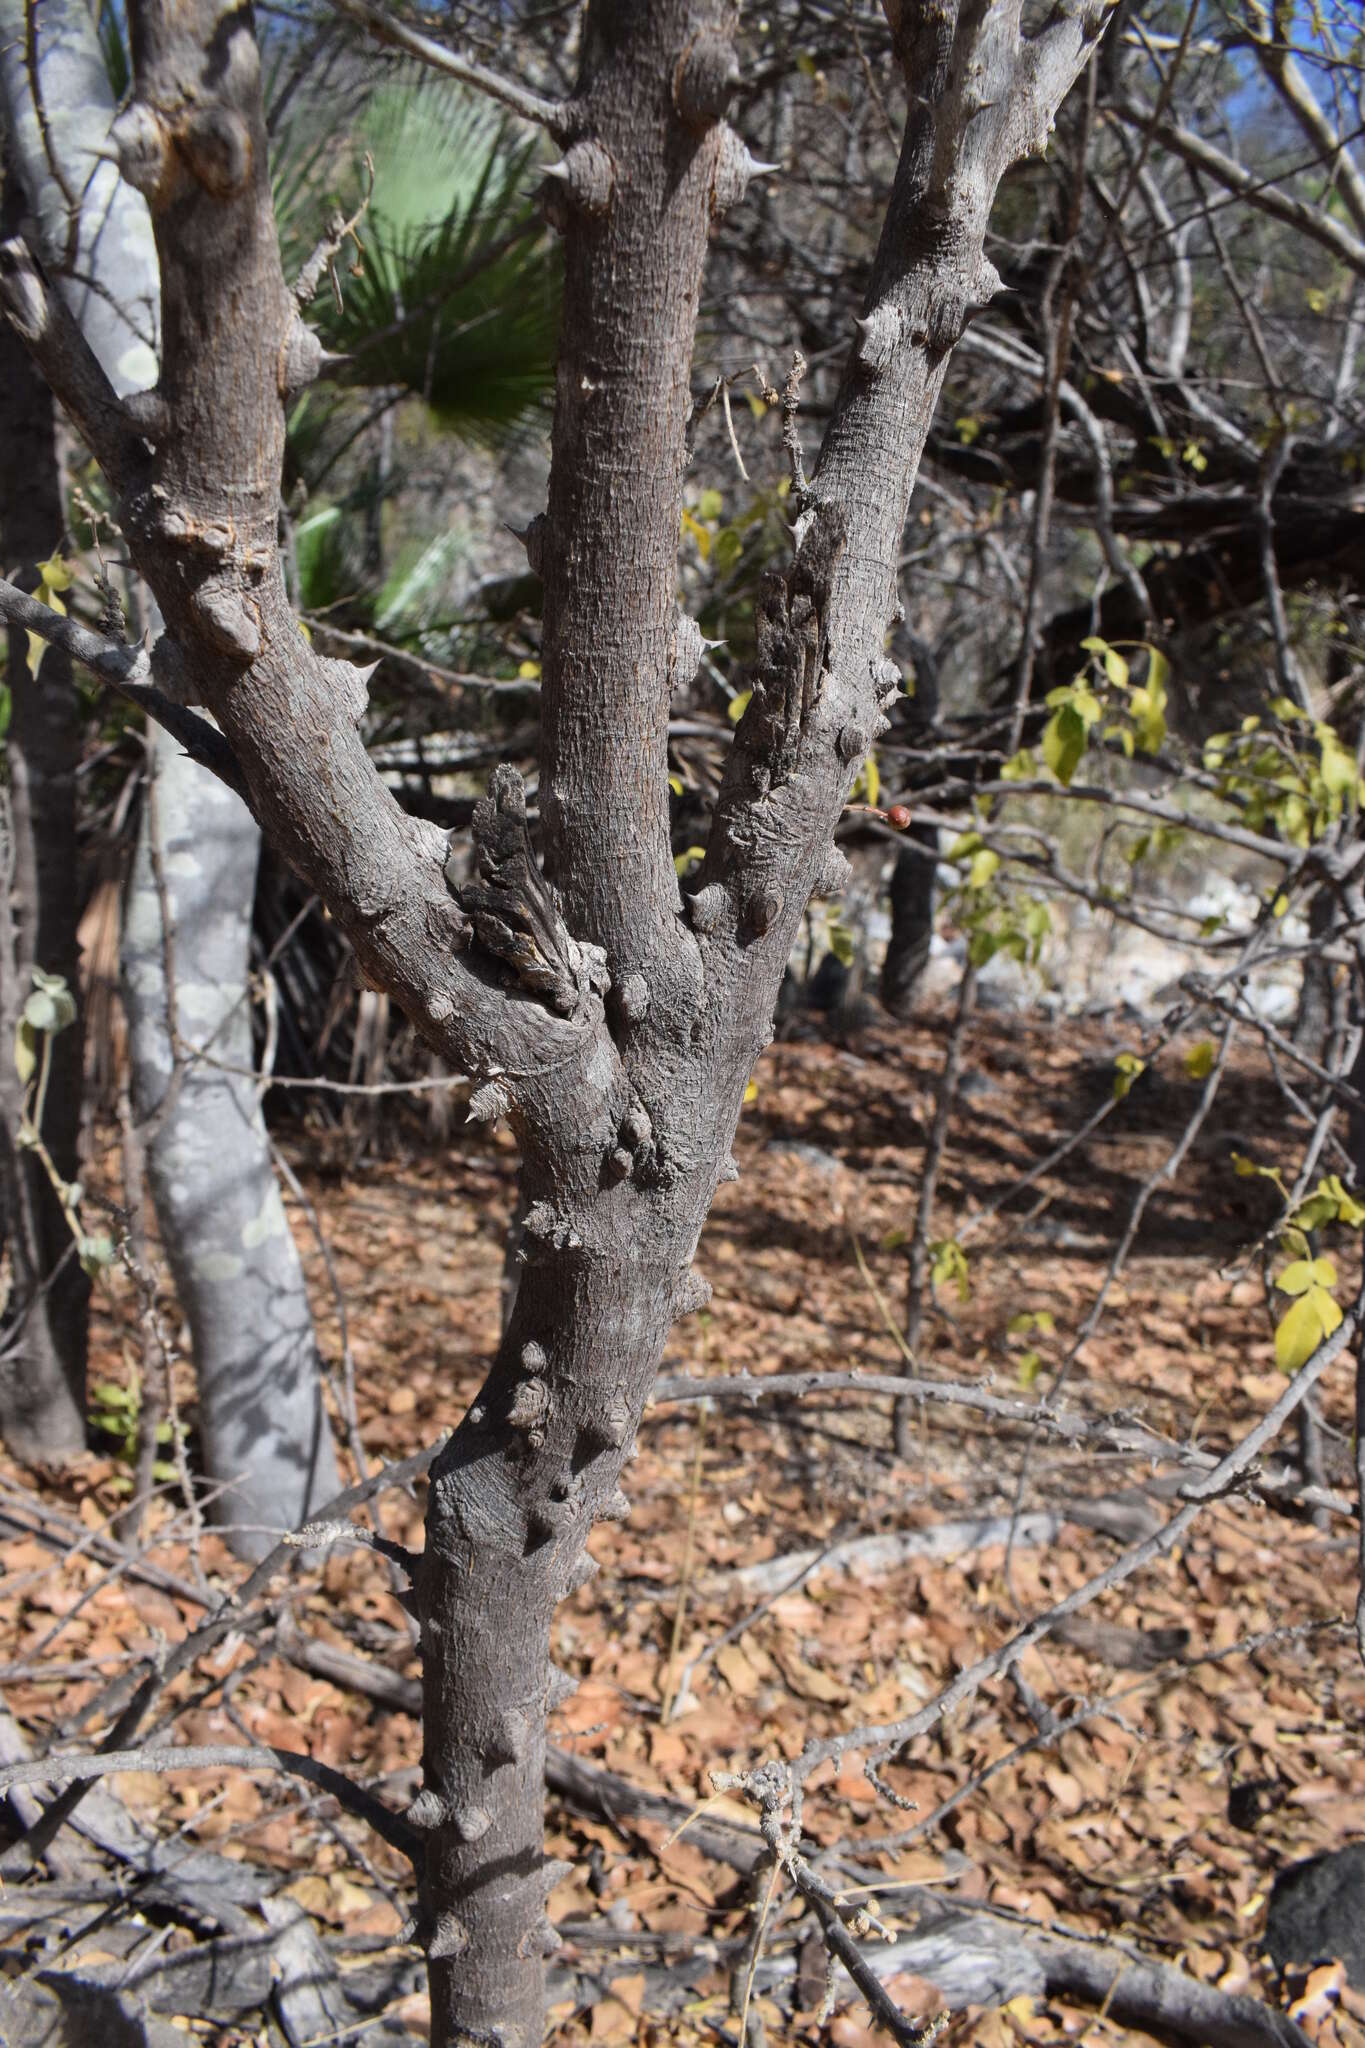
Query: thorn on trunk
point(532, 539)
point(735, 170)
point(560, 1687)
point(427, 1811)
point(632, 1000)
point(586, 175)
point(581, 1572)
point(224, 620)
point(834, 876)
point(472, 1823)
point(511, 1741)
point(692, 1293)
point(607, 1429)
point(707, 907)
point(449, 1937)
point(706, 76)
point(619, 1164)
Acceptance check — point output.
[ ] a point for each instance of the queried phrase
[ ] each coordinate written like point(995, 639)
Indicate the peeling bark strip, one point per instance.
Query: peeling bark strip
point(623, 1080)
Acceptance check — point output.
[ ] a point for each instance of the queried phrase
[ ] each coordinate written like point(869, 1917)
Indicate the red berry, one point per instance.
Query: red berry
point(898, 817)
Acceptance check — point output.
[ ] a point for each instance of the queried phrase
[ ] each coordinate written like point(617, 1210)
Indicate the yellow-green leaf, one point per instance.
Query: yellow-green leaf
point(1199, 1060)
point(1128, 1067)
point(738, 705)
point(983, 867)
point(1304, 1325)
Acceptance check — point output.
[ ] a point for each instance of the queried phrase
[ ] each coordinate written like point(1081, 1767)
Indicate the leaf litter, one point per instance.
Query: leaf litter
point(1188, 1770)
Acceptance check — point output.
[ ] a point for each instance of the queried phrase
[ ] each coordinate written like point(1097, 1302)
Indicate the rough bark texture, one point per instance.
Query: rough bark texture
point(615, 1025)
point(265, 1435)
point(266, 1439)
point(43, 1329)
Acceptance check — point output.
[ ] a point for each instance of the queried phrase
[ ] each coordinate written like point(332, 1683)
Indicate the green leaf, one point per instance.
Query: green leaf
point(948, 1266)
point(738, 705)
point(710, 505)
point(1029, 1365)
point(1199, 1059)
point(691, 857)
point(1349, 1210)
point(1338, 767)
point(1020, 767)
point(108, 1394)
point(1128, 1066)
point(1064, 738)
point(841, 943)
point(1303, 1274)
point(982, 869)
point(1303, 1327)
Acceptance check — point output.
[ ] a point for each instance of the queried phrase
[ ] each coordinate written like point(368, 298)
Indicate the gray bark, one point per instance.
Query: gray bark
point(265, 1435)
point(266, 1439)
point(43, 1324)
point(615, 1025)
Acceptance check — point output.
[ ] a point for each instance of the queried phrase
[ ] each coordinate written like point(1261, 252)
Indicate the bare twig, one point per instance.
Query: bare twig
point(553, 115)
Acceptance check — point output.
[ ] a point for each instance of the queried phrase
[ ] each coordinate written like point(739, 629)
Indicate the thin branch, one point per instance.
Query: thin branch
point(1300, 214)
point(209, 1631)
point(552, 115)
point(124, 670)
point(894, 1735)
point(84, 1770)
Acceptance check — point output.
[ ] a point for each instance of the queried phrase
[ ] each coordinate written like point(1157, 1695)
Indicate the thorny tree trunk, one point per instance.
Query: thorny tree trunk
point(616, 1026)
point(43, 1325)
point(264, 1430)
point(265, 1434)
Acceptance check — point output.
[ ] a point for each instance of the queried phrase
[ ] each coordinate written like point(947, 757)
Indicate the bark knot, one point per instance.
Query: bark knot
point(515, 911)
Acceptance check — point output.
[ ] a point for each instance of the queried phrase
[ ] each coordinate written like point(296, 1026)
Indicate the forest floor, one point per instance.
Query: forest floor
point(1204, 1761)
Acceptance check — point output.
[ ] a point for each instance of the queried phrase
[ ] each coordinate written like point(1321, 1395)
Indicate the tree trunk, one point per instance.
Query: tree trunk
point(266, 1438)
point(912, 920)
point(43, 1332)
point(614, 1024)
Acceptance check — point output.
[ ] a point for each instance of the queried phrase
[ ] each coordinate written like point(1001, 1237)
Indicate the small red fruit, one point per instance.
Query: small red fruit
point(898, 817)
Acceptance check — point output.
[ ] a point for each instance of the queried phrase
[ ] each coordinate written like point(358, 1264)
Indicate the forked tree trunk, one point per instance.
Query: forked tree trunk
point(267, 1443)
point(614, 1024)
point(43, 1323)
